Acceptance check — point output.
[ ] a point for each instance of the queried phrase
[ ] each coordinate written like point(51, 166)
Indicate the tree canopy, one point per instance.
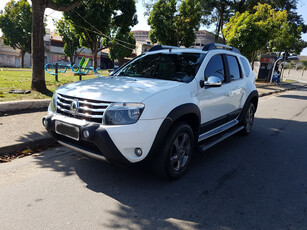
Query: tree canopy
point(219, 12)
point(99, 19)
point(173, 26)
point(70, 38)
point(15, 23)
point(266, 29)
point(117, 14)
point(121, 46)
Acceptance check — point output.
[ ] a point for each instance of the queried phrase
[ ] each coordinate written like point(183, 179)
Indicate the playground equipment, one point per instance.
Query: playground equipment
point(79, 69)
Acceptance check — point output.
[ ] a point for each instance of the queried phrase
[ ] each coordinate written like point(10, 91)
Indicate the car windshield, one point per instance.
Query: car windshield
point(167, 66)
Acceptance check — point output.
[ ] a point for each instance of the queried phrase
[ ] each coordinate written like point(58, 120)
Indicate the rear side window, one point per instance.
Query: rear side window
point(246, 66)
point(215, 67)
point(234, 68)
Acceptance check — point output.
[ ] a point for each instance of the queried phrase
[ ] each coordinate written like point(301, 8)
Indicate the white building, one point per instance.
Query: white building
point(10, 57)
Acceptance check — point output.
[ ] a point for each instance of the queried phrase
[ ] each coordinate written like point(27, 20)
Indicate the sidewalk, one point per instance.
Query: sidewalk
point(25, 130)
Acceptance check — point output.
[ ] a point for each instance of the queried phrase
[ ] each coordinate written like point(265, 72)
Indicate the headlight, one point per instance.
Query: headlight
point(123, 113)
point(53, 102)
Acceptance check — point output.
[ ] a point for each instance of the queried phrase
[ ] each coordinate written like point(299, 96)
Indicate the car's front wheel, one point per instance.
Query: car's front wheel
point(174, 156)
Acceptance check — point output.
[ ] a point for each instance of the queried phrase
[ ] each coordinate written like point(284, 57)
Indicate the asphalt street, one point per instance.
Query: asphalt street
point(258, 182)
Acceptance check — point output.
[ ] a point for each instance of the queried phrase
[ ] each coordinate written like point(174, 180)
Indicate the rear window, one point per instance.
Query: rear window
point(234, 67)
point(246, 66)
point(167, 66)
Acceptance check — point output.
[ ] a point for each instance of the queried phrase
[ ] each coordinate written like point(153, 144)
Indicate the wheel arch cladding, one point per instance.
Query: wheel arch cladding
point(252, 98)
point(188, 113)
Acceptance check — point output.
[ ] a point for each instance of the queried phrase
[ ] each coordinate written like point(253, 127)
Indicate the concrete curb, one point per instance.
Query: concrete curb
point(282, 90)
point(15, 106)
point(10, 149)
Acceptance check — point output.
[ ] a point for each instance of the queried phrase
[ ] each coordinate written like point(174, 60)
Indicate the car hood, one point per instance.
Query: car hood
point(117, 89)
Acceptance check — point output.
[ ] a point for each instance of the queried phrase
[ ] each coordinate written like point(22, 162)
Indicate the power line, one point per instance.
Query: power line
point(100, 31)
point(117, 41)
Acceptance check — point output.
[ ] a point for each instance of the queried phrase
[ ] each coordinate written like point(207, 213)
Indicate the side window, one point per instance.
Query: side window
point(215, 67)
point(234, 68)
point(246, 66)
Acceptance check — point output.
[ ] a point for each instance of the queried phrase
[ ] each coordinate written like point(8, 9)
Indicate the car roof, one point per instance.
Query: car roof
point(208, 47)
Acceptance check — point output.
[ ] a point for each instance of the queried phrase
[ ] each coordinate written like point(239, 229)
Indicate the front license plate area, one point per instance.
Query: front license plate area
point(67, 130)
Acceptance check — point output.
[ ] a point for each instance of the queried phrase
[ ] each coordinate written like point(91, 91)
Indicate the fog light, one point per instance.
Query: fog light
point(86, 133)
point(45, 122)
point(138, 152)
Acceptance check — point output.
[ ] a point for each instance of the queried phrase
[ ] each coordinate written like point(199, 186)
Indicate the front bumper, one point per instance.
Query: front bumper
point(116, 144)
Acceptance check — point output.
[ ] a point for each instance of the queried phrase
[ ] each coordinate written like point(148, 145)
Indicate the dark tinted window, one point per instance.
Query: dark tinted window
point(168, 66)
point(215, 67)
point(234, 68)
point(246, 66)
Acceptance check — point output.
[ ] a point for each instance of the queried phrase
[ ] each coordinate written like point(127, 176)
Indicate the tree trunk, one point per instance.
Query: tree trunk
point(217, 31)
point(95, 59)
point(121, 61)
point(72, 59)
point(38, 57)
point(23, 59)
point(220, 24)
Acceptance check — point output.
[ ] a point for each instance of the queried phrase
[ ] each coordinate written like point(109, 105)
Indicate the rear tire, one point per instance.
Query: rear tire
point(175, 154)
point(248, 120)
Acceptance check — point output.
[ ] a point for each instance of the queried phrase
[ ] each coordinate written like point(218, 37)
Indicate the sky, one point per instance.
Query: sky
point(142, 25)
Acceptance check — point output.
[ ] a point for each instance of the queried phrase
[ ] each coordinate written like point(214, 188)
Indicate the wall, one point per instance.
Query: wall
point(7, 60)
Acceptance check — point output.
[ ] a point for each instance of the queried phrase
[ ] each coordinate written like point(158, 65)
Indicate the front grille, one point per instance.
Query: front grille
point(89, 110)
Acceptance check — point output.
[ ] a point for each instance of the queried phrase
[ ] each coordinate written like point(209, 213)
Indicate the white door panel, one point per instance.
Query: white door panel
point(236, 94)
point(213, 103)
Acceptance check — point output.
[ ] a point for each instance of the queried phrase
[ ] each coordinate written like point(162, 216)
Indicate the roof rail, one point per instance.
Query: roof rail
point(213, 46)
point(160, 47)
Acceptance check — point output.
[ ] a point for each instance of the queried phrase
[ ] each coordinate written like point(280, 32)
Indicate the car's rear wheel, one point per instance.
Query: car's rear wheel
point(248, 119)
point(174, 156)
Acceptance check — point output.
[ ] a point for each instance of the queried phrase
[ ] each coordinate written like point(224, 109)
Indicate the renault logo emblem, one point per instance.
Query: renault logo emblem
point(74, 107)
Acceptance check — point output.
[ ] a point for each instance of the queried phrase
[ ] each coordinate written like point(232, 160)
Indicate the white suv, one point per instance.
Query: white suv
point(158, 107)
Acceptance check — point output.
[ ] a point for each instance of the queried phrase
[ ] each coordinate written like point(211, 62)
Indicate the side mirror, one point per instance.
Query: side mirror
point(211, 82)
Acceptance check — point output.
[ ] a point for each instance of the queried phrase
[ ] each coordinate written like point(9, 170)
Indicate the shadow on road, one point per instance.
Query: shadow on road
point(32, 136)
point(254, 182)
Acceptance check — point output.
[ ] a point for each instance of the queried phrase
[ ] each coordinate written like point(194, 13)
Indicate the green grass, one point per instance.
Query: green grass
point(289, 81)
point(21, 80)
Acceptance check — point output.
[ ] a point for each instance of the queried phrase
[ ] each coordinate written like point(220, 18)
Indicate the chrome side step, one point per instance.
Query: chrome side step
point(218, 130)
point(219, 138)
point(84, 151)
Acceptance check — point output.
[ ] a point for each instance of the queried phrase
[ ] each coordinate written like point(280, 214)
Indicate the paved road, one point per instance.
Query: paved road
point(257, 182)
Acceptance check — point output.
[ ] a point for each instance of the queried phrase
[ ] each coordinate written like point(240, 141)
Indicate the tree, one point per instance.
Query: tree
point(70, 38)
point(113, 16)
point(118, 17)
point(216, 12)
point(37, 40)
point(266, 29)
point(174, 27)
point(121, 46)
point(243, 32)
point(16, 26)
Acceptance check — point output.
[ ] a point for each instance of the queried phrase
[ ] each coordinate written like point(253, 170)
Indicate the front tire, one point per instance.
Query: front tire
point(175, 154)
point(248, 120)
